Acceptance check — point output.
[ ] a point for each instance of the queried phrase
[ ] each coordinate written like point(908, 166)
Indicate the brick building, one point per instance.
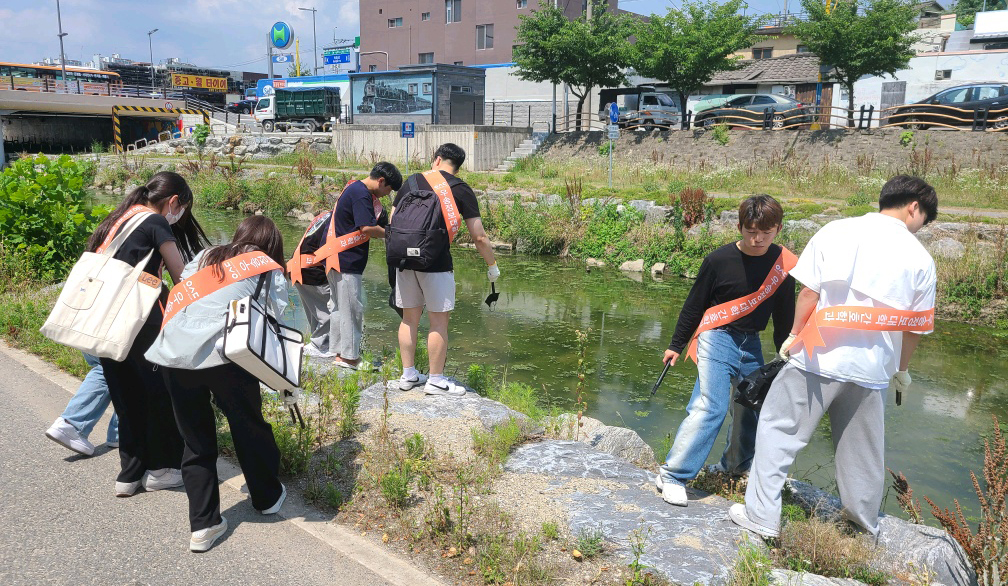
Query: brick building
point(453, 32)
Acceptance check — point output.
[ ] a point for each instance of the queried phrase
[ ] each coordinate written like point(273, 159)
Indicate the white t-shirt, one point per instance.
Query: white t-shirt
point(871, 261)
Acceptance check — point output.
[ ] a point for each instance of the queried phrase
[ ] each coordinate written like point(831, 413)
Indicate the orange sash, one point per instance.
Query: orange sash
point(440, 187)
point(329, 251)
point(852, 317)
point(203, 282)
point(725, 313)
point(137, 209)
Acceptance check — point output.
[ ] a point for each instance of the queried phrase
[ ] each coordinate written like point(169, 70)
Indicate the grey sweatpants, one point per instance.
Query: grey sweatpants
point(318, 310)
point(796, 402)
point(346, 326)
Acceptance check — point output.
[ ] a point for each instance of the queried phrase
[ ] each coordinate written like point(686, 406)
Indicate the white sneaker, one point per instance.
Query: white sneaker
point(738, 515)
point(204, 539)
point(311, 350)
point(124, 489)
point(67, 436)
point(163, 478)
point(444, 387)
point(658, 482)
point(407, 384)
point(674, 493)
point(280, 501)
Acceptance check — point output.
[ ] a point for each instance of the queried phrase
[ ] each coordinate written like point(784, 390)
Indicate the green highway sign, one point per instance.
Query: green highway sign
point(337, 51)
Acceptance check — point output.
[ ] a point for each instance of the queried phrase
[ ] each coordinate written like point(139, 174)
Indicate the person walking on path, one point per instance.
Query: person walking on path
point(333, 294)
point(188, 346)
point(433, 286)
point(72, 428)
point(150, 447)
point(868, 296)
point(739, 287)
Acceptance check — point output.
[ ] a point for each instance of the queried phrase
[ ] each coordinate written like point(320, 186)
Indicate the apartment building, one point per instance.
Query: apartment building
point(453, 32)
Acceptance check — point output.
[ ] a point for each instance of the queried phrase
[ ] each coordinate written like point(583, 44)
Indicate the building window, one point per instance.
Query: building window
point(484, 36)
point(395, 22)
point(762, 53)
point(457, 63)
point(461, 89)
point(425, 58)
point(427, 88)
point(802, 49)
point(943, 74)
point(413, 89)
point(522, 4)
point(372, 68)
point(425, 16)
point(453, 11)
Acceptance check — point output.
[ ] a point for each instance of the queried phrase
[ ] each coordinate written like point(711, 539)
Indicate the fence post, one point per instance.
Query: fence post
point(871, 111)
point(512, 113)
point(12, 81)
point(493, 112)
point(686, 120)
point(108, 86)
point(78, 86)
point(767, 118)
point(530, 115)
point(980, 119)
point(474, 113)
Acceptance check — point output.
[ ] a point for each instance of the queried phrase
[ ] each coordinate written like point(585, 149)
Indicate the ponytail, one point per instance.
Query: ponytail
point(254, 233)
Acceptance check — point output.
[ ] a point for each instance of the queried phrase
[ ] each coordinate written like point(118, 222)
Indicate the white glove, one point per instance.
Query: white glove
point(901, 381)
point(290, 397)
point(784, 354)
point(493, 272)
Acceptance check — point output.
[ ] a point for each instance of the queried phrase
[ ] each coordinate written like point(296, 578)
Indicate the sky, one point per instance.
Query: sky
point(224, 34)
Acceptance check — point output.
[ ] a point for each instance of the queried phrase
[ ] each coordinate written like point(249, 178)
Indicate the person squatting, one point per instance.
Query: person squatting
point(871, 267)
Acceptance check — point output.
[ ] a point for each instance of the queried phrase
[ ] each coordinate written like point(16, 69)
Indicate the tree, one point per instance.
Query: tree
point(584, 53)
point(687, 46)
point(294, 71)
point(965, 10)
point(855, 39)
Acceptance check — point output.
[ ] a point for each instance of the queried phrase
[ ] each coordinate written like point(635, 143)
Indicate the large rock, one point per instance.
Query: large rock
point(657, 214)
point(948, 248)
point(791, 578)
point(594, 263)
point(729, 218)
point(712, 228)
point(549, 199)
point(633, 266)
point(807, 226)
point(618, 441)
point(657, 269)
point(641, 205)
point(904, 543)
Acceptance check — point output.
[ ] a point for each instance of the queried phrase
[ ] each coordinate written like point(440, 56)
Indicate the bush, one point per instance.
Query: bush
point(604, 149)
point(720, 134)
point(46, 215)
point(589, 542)
point(859, 199)
point(394, 485)
point(694, 203)
point(496, 444)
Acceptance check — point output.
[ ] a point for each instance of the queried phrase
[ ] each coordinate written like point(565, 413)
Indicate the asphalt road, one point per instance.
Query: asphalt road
point(60, 522)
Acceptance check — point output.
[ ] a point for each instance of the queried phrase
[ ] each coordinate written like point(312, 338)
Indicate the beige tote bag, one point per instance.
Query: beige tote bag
point(105, 301)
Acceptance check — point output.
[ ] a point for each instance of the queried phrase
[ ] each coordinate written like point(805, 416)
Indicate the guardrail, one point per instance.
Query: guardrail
point(921, 116)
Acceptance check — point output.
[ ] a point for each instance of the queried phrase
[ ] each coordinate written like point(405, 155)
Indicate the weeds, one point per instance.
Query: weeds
point(496, 444)
point(395, 484)
point(987, 548)
point(638, 541)
point(551, 530)
point(752, 566)
point(904, 496)
point(579, 401)
point(821, 547)
point(720, 134)
point(589, 542)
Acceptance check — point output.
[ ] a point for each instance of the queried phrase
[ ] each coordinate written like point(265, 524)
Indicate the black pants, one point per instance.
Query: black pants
point(148, 436)
point(236, 393)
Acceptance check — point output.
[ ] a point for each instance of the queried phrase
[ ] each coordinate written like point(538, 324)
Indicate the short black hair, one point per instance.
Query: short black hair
point(904, 189)
point(389, 172)
point(760, 211)
point(451, 152)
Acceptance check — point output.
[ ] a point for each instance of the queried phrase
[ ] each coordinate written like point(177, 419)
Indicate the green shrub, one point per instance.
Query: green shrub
point(589, 542)
point(752, 566)
point(394, 485)
point(415, 446)
point(605, 148)
point(200, 134)
point(551, 529)
point(496, 444)
point(296, 446)
point(859, 199)
point(720, 134)
point(45, 212)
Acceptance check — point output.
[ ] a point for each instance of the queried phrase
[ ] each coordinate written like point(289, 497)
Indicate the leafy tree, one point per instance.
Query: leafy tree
point(688, 46)
point(584, 53)
point(858, 38)
point(294, 71)
point(965, 10)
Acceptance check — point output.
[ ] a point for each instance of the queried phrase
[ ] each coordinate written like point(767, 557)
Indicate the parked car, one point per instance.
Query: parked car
point(640, 107)
point(747, 110)
point(711, 101)
point(241, 106)
point(954, 106)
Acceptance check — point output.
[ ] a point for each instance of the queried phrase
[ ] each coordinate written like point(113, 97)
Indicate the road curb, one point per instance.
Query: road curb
point(390, 567)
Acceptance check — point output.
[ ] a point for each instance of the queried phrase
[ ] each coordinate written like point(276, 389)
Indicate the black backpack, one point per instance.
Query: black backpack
point(315, 275)
point(416, 237)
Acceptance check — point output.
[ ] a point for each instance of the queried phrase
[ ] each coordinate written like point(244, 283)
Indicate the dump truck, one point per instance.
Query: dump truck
point(310, 106)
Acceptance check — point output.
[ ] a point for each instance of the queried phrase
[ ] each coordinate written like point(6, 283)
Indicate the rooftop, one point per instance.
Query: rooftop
point(797, 68)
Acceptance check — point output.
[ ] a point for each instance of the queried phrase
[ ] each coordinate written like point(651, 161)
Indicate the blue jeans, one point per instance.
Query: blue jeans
point(89, 403)
point(724, 356)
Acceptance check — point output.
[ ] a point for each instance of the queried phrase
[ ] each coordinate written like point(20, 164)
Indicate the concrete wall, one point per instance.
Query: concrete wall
point(485, 146)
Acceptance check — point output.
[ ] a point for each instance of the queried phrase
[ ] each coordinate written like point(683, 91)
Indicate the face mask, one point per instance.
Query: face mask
point(174, 218)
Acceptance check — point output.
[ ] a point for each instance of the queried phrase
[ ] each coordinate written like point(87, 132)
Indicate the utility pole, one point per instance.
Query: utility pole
point(150, 44)
point(314, 38)
point(59, 19)
point(556, 4)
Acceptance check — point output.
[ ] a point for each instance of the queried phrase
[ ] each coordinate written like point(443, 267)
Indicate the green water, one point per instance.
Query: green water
point(935, 437)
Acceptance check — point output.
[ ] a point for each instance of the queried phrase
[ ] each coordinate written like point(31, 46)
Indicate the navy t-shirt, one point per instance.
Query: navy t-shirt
point(149, 235)
point(354, 210)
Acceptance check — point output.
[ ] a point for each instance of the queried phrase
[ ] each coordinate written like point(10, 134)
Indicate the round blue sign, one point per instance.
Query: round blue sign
point(281, 35)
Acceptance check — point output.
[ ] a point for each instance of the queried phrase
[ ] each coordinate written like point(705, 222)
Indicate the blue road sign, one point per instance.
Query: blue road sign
point(334, 59)
point(283, 59)
point(406, 130)
point(613, 113)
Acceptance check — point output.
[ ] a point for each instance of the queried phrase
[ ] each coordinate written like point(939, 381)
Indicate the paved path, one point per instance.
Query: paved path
point(61, 523)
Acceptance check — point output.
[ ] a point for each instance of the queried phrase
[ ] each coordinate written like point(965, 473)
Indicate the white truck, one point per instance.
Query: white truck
point(640, 107)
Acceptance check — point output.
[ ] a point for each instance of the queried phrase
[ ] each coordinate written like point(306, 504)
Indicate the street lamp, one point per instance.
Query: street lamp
point(314, 39)
point(59, 19)
point(150, 44)
point(373, 52)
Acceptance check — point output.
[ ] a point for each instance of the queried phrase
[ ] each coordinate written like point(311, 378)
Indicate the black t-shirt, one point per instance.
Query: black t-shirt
point(465, 201)
point(727, 274)
point(354, 210)
point(152, 232)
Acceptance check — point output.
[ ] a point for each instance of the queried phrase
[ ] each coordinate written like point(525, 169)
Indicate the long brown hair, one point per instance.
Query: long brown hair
point(188, 233)
point(254, 233)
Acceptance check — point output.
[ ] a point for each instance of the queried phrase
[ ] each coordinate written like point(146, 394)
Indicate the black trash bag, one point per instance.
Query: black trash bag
point(752, 390)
